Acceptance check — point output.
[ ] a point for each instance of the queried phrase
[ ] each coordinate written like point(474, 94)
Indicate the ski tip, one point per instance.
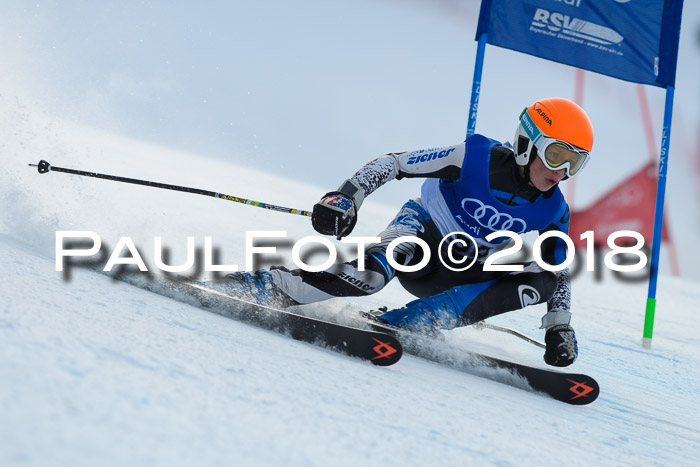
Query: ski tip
point(387, 351)
point(582, 390)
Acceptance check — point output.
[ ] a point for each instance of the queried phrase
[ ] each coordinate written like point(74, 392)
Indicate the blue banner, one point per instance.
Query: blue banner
point(633, 40)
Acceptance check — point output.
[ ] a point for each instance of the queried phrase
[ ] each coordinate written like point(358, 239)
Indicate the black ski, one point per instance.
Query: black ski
point(572, 388)
point(375, 346)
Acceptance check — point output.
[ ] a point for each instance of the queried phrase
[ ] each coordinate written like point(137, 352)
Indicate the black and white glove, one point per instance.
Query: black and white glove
point(562, 348)
point(336, 213)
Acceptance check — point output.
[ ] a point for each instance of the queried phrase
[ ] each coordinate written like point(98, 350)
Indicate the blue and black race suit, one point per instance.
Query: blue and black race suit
point(475, 188)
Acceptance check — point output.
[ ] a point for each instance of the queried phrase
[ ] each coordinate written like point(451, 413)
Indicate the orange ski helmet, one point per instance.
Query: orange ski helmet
point(558, 131)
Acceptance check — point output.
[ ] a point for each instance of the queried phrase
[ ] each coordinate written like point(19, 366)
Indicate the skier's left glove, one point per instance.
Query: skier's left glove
point(336, 213)
point(562, 348)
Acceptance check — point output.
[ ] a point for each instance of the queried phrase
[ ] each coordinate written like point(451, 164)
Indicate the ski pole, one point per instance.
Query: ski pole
point(485, 325)
point(45, 167)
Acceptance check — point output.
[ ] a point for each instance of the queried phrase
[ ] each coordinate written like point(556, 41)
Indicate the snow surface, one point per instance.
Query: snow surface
point(97, 372)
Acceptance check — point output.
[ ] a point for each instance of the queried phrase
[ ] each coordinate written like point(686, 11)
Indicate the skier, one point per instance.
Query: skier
point(476, 187)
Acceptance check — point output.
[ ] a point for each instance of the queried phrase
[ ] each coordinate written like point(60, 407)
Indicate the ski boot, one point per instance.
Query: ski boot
point(258, 288)
point(415, 317)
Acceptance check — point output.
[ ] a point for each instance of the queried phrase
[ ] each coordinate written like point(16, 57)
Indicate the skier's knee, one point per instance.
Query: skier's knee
point(546, 284)
point(379, 264)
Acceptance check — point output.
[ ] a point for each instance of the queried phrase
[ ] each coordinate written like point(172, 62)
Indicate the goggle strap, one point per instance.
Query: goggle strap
point(536, 135)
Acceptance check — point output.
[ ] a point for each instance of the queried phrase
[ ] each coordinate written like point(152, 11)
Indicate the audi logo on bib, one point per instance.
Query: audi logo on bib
point(491, 218)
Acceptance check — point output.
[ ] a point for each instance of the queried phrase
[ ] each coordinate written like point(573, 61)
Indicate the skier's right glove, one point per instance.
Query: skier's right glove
point(562, 348)
point(336, 213)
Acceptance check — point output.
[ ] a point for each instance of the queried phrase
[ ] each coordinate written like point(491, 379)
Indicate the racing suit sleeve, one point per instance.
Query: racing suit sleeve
point(443, 162)
point(554, 251)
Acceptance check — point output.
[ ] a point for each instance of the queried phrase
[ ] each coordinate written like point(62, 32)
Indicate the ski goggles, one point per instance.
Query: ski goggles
point(556, 154)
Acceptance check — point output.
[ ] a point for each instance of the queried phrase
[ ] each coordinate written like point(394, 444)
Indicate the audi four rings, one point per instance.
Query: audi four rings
point(491, 218)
